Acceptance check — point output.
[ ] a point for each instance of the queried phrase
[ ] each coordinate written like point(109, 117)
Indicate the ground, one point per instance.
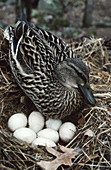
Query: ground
point(101, 18)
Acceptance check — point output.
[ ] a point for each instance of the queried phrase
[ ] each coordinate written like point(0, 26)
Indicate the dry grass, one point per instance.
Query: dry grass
point(93, 134)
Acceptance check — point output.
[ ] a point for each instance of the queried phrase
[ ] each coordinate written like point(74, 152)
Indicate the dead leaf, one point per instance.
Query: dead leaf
point(61, 158)
point(81, 121)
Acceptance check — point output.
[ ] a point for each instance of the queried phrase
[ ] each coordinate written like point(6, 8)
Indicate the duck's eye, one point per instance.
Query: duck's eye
point(77, 70)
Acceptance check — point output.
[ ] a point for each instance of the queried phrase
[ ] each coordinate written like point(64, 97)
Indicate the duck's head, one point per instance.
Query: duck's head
point(74, 73)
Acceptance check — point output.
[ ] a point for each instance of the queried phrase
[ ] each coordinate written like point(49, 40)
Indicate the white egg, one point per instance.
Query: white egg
point(36, 121)
point(16, 121)
point(25, 134)
point(53, 124)
point(67, 131)
point(50, 134)
point(43, 142)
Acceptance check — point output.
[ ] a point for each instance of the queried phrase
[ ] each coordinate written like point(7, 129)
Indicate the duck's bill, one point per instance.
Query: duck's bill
point(86, 91)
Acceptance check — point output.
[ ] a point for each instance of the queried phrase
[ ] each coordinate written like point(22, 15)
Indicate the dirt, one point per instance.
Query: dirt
point(101, 14)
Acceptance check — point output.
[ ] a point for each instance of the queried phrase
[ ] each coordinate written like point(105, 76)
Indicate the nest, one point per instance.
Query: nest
point(93, 135)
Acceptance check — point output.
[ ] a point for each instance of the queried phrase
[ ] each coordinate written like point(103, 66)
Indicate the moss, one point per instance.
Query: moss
point(55, 23)
point(1, 15)
point(60, 23)
point(70, 32)
point(92, 33)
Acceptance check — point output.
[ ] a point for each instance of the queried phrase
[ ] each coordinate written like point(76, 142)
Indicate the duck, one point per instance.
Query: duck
point(47, 70)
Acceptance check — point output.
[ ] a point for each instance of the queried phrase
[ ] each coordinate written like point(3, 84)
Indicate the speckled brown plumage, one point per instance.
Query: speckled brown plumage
point(47, 70)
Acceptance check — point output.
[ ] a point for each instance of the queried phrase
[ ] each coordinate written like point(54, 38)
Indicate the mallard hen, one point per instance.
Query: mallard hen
point(47, 70)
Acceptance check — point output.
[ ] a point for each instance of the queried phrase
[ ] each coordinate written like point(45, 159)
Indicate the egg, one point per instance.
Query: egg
point(43, 142)
point(25, 134)
point(36, 121)
point(67, 131)
point(49, 133)
point(53, 124)
point(16, 121)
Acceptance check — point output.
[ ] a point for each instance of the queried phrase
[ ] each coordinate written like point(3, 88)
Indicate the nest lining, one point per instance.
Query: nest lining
point(95, 149)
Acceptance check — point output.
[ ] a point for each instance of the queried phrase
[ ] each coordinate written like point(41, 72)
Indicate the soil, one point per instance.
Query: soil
point(101, 18)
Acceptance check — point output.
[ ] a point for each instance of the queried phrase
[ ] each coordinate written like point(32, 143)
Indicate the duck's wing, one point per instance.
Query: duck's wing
point(60, 48)
point(31, 60)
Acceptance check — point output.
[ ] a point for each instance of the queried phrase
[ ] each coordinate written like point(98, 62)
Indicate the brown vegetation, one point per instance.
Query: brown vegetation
point(93, 134)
